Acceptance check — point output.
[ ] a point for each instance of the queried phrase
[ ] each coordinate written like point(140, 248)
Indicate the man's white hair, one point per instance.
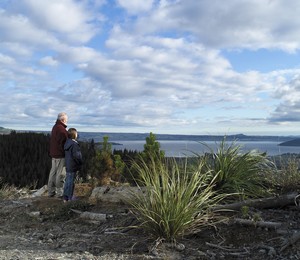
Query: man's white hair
point(61, 116)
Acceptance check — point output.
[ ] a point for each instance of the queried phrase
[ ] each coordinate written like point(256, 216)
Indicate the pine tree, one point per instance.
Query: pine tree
point(102, 164)
point(152, 149)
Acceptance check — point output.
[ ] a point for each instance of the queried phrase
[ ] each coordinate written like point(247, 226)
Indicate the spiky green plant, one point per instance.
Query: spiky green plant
point(236, 172)
point(174, 202)
point(245, 211)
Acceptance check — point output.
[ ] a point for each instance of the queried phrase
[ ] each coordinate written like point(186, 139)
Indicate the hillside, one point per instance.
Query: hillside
point(294, 142)
point(4, 130)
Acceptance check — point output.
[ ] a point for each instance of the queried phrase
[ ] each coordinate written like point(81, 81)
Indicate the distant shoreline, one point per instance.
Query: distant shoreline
point(177, 137)
point(98, 137)
point(294, 142)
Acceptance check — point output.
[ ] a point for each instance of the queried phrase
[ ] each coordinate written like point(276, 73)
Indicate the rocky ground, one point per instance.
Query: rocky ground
point(46, 228)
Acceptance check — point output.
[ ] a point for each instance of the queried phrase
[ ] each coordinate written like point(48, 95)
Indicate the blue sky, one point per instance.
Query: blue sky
point(162, 66)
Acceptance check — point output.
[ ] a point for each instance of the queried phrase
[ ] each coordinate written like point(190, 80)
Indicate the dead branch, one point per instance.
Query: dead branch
point(292, 240)
point(263, 203)
point(113, 233)
point(118, 229)
point(229, 250)
point(297, 200)
point(264, 224)
point(91, 215)
point(77, 211)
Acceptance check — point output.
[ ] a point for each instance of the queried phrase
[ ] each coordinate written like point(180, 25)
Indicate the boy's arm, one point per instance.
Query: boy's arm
point(77, 156)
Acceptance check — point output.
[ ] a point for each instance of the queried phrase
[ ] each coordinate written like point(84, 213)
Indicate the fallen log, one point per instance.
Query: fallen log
point(91, 215)
point(262, 203)
point(264, 224)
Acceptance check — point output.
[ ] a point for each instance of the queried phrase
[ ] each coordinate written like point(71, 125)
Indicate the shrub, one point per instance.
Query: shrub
point(235, 172)
point(102, 164)
point(152, 149)
point(175, 201)
point(286, 177)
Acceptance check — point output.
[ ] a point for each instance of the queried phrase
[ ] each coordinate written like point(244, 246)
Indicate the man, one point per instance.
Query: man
point(57, 174)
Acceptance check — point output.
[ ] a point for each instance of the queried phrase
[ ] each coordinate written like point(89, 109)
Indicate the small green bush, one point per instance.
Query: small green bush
point(286, 177)
point(175, 201)
point(235, 172)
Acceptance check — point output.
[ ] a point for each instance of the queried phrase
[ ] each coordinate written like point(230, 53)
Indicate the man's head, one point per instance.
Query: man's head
point(63, 117)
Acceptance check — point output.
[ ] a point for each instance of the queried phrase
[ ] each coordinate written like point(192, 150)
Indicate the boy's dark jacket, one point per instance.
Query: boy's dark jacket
point(73, 155)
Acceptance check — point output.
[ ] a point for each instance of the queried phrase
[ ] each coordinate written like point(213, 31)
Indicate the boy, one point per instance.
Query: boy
point(73, 159)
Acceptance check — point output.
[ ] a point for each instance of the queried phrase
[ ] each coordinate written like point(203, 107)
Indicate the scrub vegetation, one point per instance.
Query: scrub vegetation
point(178, 194)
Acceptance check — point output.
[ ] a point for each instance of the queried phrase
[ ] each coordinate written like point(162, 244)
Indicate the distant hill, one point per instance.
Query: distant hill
point(294, 142)
point(170, 137)
point(98, 137)
point(4, 130)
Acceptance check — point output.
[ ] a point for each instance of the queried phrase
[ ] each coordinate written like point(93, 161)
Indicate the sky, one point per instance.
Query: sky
point(161, 66)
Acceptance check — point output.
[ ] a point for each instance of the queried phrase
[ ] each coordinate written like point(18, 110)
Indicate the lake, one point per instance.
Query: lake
point(181, 146)
point(187, 148)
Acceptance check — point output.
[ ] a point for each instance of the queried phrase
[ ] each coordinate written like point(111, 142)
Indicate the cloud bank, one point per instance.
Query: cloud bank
point(168, 66)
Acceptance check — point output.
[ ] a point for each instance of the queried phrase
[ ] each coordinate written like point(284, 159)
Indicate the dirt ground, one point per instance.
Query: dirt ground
point(47, 228)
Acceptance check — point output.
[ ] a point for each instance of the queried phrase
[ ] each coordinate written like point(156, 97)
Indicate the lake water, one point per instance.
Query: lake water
point(181, 146)
point(188, 148)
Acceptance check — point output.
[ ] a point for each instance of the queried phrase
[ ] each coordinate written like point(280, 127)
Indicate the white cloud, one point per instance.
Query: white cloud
point(17, 28)
point(76, 54)
point(16, 48)
point(48, 61)
point(252, 24)
point(158, 67)
point(289, 108)
point(6, 60)
point(70, 19)
point(136, 6)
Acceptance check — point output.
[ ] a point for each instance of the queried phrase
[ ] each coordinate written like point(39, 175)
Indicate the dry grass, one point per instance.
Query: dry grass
point(12, 192)
point(83, 189)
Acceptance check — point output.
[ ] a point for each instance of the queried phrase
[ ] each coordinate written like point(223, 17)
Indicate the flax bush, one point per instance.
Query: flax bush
point(175, 202)
point(236, 172)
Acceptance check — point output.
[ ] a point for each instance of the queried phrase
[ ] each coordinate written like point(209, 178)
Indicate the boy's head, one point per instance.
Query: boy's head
point(72, 133)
